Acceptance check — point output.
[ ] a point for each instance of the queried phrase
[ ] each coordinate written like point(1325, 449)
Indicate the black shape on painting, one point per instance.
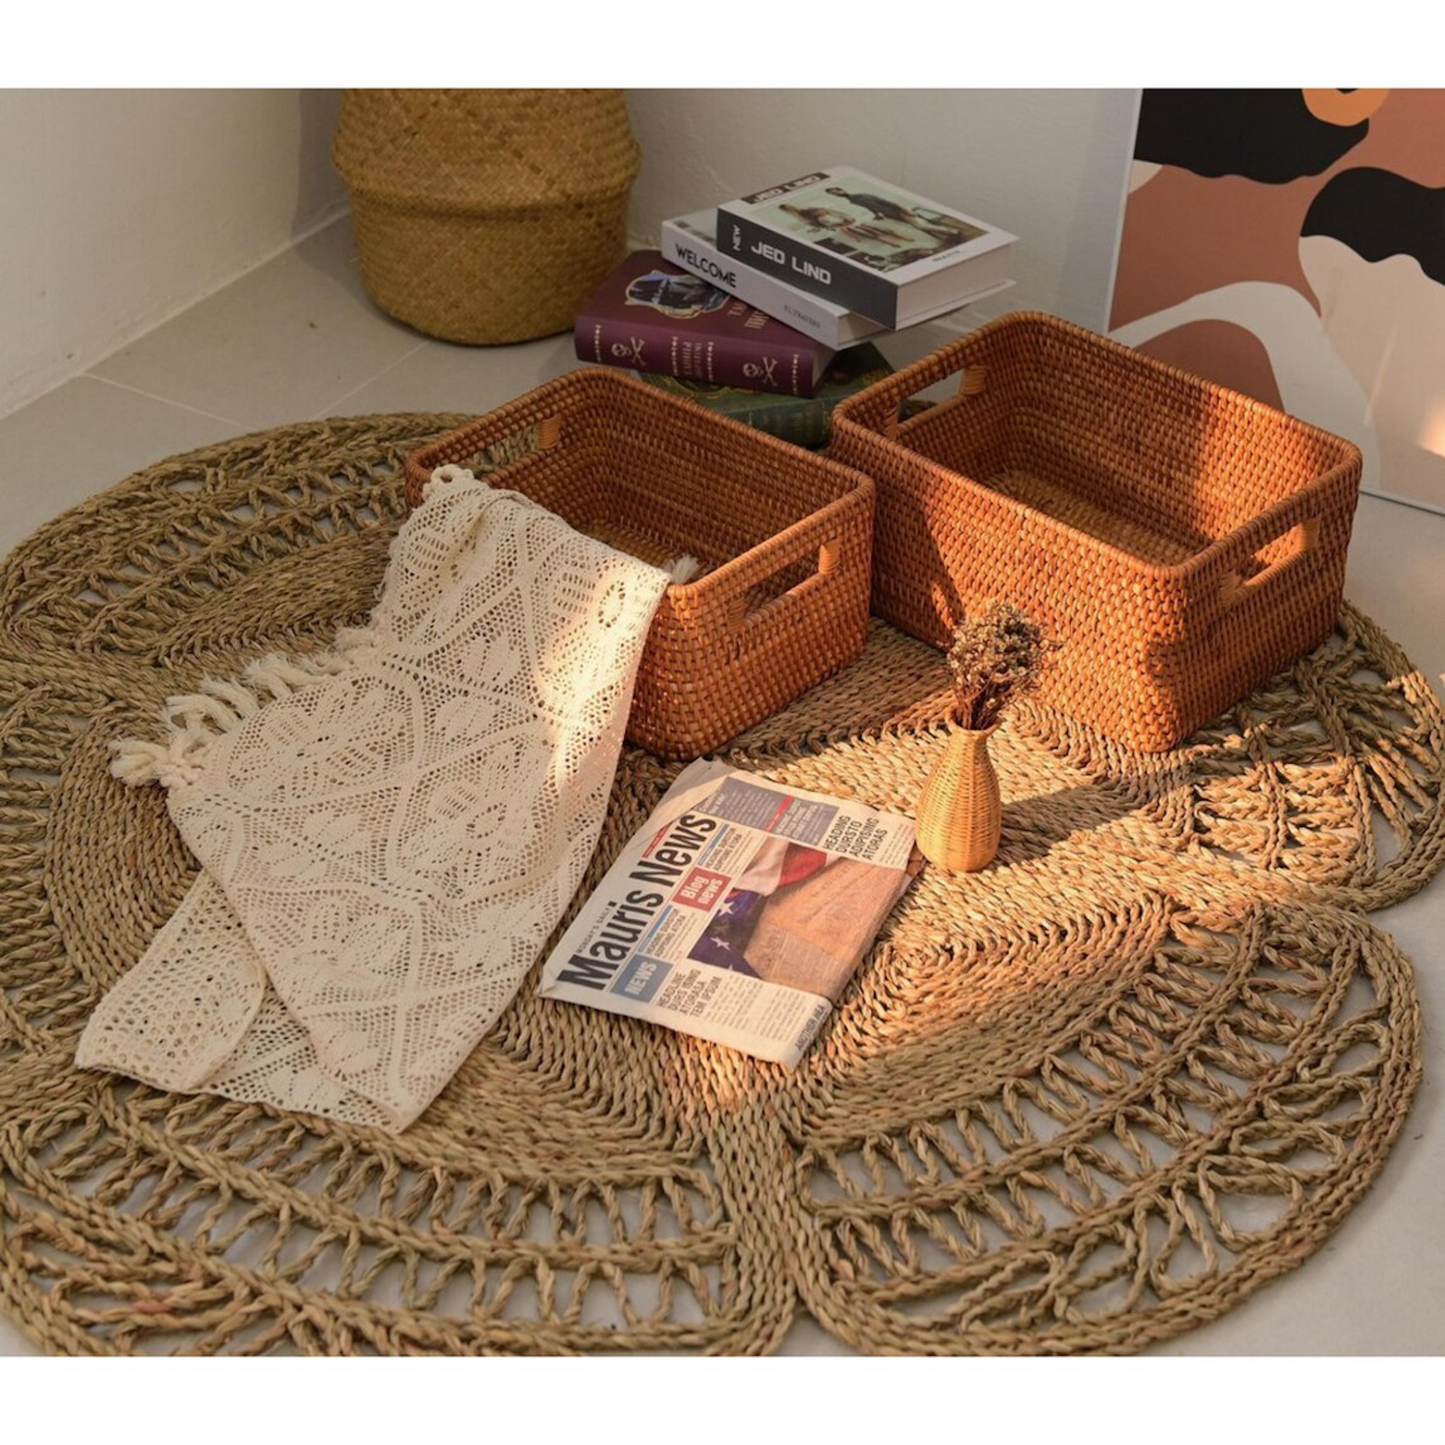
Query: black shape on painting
point(1378, 214)
point(1262, 135)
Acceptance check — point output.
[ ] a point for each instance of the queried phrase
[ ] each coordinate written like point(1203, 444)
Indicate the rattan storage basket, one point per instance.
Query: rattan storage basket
point(1183, 541)
point(784, 536)
point(486, 216)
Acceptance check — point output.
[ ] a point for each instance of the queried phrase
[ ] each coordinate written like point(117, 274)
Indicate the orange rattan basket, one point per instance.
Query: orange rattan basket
point(784, 536)
point(1183, 541)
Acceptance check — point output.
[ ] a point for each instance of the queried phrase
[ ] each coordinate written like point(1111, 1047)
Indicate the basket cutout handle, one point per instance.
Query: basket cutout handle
point(748, 608)
point(971, 381)
point(489, 445)
point(1299, 542)
point(498, 452)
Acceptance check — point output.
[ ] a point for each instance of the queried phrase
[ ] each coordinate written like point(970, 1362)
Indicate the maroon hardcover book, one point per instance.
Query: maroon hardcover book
point(652, 316)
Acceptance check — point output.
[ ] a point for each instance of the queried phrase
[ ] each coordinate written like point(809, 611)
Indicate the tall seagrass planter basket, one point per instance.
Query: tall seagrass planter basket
point(486, 216)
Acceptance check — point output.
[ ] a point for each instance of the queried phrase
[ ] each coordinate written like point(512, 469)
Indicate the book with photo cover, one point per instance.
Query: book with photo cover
point(649, 315)
point(868, 245)
point(691, 242)
point(804, 421)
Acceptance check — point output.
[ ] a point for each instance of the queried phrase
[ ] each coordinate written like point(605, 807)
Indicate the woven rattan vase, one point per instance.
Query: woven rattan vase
point(960, 813)
point(486, 216)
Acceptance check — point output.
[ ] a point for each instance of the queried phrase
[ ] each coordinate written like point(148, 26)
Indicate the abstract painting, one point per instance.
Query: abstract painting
point(1291, 244)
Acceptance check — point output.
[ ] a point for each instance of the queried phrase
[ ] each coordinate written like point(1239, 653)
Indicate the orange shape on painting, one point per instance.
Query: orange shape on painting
point(1223, 352)
point(1343, 107)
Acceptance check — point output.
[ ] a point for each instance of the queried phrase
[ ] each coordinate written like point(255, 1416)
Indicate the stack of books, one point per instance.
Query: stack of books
point(767, 308)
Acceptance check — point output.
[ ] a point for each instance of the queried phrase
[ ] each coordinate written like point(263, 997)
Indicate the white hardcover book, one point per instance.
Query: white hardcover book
point(689, 242)
point(865, 244)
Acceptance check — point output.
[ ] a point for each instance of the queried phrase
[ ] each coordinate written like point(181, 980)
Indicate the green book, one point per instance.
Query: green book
point(805, 421)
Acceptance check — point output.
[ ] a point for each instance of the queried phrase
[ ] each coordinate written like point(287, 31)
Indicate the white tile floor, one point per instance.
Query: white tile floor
point(297, 339)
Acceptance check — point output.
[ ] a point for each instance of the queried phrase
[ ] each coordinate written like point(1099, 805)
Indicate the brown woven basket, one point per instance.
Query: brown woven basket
point(486, 216)
point(1184, 542)
point(784, 536)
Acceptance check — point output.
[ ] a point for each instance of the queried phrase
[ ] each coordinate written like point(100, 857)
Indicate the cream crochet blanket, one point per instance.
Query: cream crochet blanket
point(389, 832)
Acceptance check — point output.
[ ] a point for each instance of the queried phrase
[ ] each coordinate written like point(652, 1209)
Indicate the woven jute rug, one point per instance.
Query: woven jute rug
point(1078, 1102)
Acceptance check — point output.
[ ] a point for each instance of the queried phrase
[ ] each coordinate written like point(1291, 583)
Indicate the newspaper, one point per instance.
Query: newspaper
point(738, 913)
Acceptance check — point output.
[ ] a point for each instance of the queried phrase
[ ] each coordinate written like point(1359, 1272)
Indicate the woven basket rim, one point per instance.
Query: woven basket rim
point(900, 383)
point(580, 385)
point(605, 379)
point(377, 177)
point(608, 378)
point(1045, 320)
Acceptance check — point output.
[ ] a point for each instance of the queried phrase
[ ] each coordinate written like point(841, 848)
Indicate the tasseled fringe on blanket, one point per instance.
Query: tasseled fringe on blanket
point(193, 721)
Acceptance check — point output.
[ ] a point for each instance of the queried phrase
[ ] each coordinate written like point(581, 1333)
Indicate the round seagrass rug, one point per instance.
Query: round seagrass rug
point(1079, 1102)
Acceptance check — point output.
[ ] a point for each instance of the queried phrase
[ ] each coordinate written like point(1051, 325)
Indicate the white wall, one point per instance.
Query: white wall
point(1049, 165)
point(120, 207)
